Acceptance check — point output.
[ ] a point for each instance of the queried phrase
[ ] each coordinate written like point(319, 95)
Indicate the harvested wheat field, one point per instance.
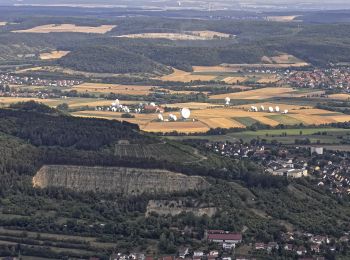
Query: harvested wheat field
point(341, 118)
point(267, 79)
point(222, 122)
point(179, 126)
point(183, 76)
point(219, 68)
point(313, 119)
point(340, 96)
point(54, 55)
point(316, 111)
point(193, 105)
point(235, 80)
point(261, 93)
point(202, 118)
point(266, 105)
point(237, 67)
point(6, 101)
point(59, 28)
point(114, 88)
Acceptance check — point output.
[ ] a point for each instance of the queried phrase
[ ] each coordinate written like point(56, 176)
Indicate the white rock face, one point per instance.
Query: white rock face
point(122, 180)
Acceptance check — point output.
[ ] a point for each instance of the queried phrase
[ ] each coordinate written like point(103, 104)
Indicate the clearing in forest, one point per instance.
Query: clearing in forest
point(54, 55)
point(59, 28)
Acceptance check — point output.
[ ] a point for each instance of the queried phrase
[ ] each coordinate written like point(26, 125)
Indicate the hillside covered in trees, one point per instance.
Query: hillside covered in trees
point(33, 135)
point(108, 53)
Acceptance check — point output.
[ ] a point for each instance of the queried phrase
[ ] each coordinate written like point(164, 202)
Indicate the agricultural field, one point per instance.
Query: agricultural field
point(268, 93)
point(287, 136)
point(286, 59)
point(266, 105)
point(72, 102)
point(179, 126)
point(219, 73)
point(344, 97)
point(183, 76)
point(330, 138)
point(54, 55)
point(59, 28)
point(193, 105)
point(113, 88)
point(205, 116)
point(188, 36)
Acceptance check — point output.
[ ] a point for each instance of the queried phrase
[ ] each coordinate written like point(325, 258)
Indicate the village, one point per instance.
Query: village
point(328, 169)
point(225, 245)
point(319, 78)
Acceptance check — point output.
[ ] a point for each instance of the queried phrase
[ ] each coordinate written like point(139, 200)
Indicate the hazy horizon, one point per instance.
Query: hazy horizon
point(194, 4)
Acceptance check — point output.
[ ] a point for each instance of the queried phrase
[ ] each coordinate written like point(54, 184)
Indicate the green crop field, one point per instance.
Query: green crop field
point(247, 121)
point(285, 120)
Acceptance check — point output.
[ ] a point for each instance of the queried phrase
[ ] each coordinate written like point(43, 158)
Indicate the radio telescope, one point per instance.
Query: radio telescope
point(185, 113)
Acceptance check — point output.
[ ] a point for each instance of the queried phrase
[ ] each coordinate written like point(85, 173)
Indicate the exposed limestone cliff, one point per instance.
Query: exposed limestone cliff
point(121, 180)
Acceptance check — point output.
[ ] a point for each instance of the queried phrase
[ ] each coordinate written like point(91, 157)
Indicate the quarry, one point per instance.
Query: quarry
point(120, 180)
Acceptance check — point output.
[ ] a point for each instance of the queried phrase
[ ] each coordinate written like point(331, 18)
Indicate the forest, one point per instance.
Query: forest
point(32, 135)
point(251, 40)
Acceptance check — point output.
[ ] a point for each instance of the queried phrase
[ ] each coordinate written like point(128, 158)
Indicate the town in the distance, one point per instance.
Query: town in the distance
point(174, 130)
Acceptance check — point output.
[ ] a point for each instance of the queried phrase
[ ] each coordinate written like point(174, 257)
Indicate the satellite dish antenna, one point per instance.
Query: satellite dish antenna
point(262, 108)
point(114, 104)
point(286, 111)
point(172, 117)
point(160, 117)
point(185, 113)
point(117, 101)
point(153, 104)
point(271, 109)
point(227, 101)
point(277, 109)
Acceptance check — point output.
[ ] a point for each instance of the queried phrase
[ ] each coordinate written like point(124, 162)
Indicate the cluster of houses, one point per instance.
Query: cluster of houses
point(278, 165)
point(294, 162)
point(312, 245)
point(331, 78)
point(8, 79)
point(333, 174)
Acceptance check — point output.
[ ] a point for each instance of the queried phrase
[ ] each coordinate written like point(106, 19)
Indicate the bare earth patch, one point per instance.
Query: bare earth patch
point(114, 88)
point(50, 28)
point(189, 35)
point(54, 55)
point(282, 18)
point(183, 76)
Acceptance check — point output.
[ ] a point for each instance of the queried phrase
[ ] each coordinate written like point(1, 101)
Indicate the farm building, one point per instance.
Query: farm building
point(153, 109)
point(219, 236)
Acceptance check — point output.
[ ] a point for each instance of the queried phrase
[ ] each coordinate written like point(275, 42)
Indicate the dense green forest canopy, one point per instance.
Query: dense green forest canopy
point(319, 44)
